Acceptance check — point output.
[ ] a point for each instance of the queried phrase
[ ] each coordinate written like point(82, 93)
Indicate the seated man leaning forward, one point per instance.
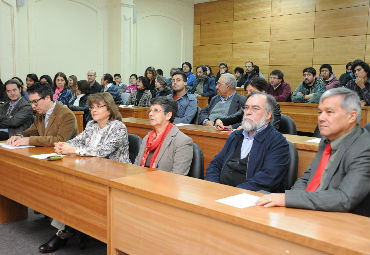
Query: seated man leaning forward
point(257, 157)
point(226, 103)
point(53, 123)
point(338, 178)
point(165, 147)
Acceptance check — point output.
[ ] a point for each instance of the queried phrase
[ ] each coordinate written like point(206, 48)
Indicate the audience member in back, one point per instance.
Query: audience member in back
point(72, 83)
point(249, 73)
point(79, 103)
point(210, 72)
point(30, 80)
point(347, 76)
point(151, 74)
point(203, 86)
point(108, 86)
point(278, 88)
point(186, 68)
point(141, 96)
point(361, 83)
point(160, 72)
point(3, 96)
point(24, 86)
point(46, 79)
point(91, 78)
point(62, 93)
point(161, 87)
point(223, 68)
point(119, 84)
point(132, 86)
point(310, 90)
point(16, 115)
point(328, 77)
point(239, 76)
point(186, 103)
point(172, 71)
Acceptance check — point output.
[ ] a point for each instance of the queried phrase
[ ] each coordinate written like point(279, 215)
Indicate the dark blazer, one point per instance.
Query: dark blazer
point(237, 103)
point(114, 91)
point(83, 105)
point(19, 119)
point(268, 162)
point(209, 87)
point(96, 87)
point(347, 182)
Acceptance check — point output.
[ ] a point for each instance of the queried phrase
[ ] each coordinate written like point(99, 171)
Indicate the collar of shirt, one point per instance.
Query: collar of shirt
point(246, 135)
point(337, 142)
point(107, 87)
point(15, 103)
point(224, 100)
point(275, 88)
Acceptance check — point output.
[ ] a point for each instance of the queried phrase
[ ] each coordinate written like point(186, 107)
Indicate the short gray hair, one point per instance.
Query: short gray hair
point(93, 71)
point(229, 78)
point(350, 100)
point(270, 103)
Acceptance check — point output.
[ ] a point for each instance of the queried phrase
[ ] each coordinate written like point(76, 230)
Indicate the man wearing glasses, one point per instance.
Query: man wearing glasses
point(53, 122)
point(256, 157)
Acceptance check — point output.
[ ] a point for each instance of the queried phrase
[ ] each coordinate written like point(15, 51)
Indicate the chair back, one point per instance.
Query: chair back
point(293, 166)
point(367, 127)
point(287, 125)
point(196, 116)
point(197, 164)
point(134, 143)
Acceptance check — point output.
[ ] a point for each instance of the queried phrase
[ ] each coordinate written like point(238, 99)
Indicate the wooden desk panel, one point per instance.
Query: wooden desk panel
point(202, 102)
point(80, 120)
point(135, 112)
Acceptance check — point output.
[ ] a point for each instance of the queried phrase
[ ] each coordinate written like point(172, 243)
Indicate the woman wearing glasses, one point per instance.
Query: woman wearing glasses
point(140, 97)
point(165, 147)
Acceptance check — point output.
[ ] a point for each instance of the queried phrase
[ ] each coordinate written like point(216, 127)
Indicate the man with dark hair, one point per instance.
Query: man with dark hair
point(108, 86)
point(16, 115)
point(249, 72)
point(310, 90)
point(53, 123)
point(187, 103)
point(91, 78)
point(278, 88)
point(361, 84)
point(256, 157)
point(186, 68)
point(328, 77)
point(160, 72)
point(172, 71)
point(222, 68)
point(347, 76)
point(118, 82)
point(203, 86)
point(239, 76)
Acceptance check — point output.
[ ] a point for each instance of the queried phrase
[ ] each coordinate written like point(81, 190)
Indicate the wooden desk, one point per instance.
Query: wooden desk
point(135, 112)
point(73, 190)
point(305, 115)
point(202, 102)
point(241, 91)
point(164, 213)
point(80, 120)
point(212, 141)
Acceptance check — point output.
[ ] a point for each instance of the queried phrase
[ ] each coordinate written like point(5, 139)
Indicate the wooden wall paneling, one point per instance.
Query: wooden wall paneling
point(292, 74)
point(214, 54)
point(196, 56)
point(296, 26)
point(335, 4)
point(217, 11)
point(367, 54)
point(247, 9)
point(256, 52)
point(251, 30)
point(196, 40)
point(216, 33)
point(368, 25)
point(342, 22)
point(291, 52)
point(282, 7)
point(339, 50)
point(197, 13)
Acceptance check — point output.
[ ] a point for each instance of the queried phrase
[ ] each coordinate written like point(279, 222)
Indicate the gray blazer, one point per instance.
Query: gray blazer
point(347, 182)
point(175, 155)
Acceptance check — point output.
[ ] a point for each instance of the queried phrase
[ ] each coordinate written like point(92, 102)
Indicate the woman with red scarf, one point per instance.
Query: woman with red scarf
point(165, 147)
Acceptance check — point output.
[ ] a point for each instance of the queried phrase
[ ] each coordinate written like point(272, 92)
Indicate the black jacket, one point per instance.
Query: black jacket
point(83, 105)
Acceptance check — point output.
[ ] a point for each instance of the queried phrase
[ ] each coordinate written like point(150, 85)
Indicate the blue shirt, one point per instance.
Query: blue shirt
point(187, 108)
point(190, 79)
point(248, 142)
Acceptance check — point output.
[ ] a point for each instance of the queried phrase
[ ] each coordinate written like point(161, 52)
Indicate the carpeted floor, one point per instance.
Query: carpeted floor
point(25, 236)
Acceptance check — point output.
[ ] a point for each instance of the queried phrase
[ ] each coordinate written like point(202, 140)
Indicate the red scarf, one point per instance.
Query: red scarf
point(56, 93)
point(154, 142)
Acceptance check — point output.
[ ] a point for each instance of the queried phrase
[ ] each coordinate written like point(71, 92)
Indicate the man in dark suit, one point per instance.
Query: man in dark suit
point(108, 86)
point(16, 115)
point(338, 178)
point(226, 103)
point(91, 78)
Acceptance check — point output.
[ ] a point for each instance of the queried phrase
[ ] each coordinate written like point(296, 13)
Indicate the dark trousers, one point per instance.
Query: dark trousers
point(4, 136)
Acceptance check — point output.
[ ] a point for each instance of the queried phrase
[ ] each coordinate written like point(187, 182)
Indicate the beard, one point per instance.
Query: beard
point(252, 127)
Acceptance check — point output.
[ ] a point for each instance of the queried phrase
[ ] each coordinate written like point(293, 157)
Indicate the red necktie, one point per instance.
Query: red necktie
point(315, 182)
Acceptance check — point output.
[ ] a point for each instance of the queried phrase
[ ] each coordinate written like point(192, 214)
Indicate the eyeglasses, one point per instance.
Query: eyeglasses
point(36, 101)
point(178, 80)
point(253, 108)
point(154, 110)
point(98, 107)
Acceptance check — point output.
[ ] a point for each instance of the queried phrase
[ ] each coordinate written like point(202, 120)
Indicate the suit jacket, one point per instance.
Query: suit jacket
point(62, 126)
point(209, 87)
point(175, 155)
point(347, 182)
point(237, 103)
point(19, 119)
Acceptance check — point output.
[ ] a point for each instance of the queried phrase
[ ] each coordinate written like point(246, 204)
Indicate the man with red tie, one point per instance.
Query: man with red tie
point(338, 178)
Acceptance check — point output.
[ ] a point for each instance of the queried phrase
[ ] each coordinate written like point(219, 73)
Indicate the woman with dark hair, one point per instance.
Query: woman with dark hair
point(62, 93)
point(209, 71)
point(31, 79)
point(79, 103)
point(46, 79)
point(72, 83)
point(161, 87)
point(151, 74)
point(140, 97)
point(165, 147)
point(132, 82)
point(186, 68)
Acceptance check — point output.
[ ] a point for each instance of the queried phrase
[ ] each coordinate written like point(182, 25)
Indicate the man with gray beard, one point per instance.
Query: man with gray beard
point(256, 157)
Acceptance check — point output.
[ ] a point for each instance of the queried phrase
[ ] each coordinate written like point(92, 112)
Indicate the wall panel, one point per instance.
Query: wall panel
point(335, 4)
point(196, 38)
point(256, 52)
point(336, 50)
point(368, 25)
point(352, 21)
point(214, 54)
point(296, 26)
point(367, 54)
point(251, 30)
point(247, 9)
point(291, 52)
point(216, 33)
point(196, 56)
point(197, 13)
point(217, 11)
point(283, 7)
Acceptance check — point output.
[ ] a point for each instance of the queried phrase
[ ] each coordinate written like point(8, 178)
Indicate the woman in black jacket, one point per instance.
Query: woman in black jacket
point(80, 102)
point(161, 87)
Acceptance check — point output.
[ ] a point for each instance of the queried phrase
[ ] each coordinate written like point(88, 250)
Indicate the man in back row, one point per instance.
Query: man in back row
point(338, 178)
point(310, 90)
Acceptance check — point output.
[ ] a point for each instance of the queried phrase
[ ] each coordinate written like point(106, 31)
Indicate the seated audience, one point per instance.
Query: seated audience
point(16, 115)
point(278, 88)
point(151, 74)
point(24, 87)
point(257, 157)
point(160, 72)
point(186, 68)
point(235, 120)
point(132, 86)
point(256, 69)
point(226, 103)
point(239, 76)
point(105, 137)
point(30, 80)
point(338, 177)
point(108, 86)
point(80, 103)
point(161, 87)
point(328, 77)
point(203, 86)
point(118, 82)
point(46, 79)
point(53, 122)
point(186, 103)
point(361, 83)
point(165, 147)
point(172, 71)
point(91, 78)
point(72, 84)
point(210, 72)
point(249, 73)
point(310, 90)
point(347, 76)
point(141, 96)
point(3, 96)
point(62, 93)
point(223, 68)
